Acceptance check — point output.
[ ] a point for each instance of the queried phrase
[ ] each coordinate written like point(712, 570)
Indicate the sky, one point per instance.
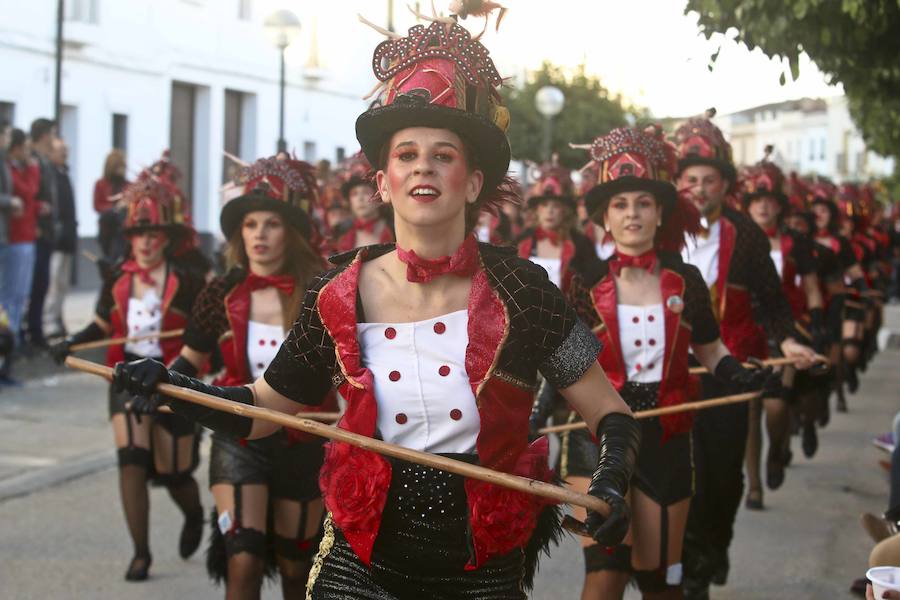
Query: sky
point(647, 50)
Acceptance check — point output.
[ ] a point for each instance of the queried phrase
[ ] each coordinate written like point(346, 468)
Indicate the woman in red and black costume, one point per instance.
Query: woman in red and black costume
point(554, 243)
point(435, 343)
point(266, 491)
point(793, 255)
point(846, 309)
point(648, 309)
point(144, 295)
point(371, 222)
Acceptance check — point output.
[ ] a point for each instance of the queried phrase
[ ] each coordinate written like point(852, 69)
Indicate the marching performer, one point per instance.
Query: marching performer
point(370, 224)
point(147, 294)
point(555, 244)
point(435, 343)
point(793, 255)
point(732, 255)
point(266, 491)
point(648, 309)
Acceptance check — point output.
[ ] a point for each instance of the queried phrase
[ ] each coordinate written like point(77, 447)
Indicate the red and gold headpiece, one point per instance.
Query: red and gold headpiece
point(700, 142)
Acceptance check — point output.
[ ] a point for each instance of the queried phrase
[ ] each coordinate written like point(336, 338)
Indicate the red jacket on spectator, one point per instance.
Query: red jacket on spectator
point(103, 189)
point(26, 181)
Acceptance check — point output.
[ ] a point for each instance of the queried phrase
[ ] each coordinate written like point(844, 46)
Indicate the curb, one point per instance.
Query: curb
point(39, 479)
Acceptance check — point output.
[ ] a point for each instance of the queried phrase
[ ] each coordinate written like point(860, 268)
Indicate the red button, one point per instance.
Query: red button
point(262, 342)
point(456, 414)
point(444, 371)
point(400, 418)
point(652, 342)
point(651, 318)
point(390, 333)
point(140, 312)
point(637, 343)
point(439, 328)
point(260, 366)
point(635, 320)
point(650, 366)
point(394, 376)
point(638, 366)
point(273, 343)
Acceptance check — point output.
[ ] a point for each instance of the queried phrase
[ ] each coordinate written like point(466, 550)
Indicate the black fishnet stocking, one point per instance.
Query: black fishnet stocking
point(136, 505)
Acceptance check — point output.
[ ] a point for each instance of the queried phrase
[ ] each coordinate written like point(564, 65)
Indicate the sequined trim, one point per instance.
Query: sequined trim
point(573, 358)
point(324, 550)
point(504, 376)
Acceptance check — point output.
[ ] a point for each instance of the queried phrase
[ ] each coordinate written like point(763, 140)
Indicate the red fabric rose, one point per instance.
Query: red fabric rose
point(502, 519)
point(355, 485)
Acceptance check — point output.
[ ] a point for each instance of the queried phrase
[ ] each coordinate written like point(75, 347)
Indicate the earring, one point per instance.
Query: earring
point(659, 223)
point(606, 227)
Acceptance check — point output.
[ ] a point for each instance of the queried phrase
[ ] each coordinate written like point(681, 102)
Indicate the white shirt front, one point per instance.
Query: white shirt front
point(144, 318)
point(605, 249)
point(642, 334)
point(703, 253)
point(484, 233)
point(263, 342)
point(553, 266)
point(778, 259)
point(425, 401)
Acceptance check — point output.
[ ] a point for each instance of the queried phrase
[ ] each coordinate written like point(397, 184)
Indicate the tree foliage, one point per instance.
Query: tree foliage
point(590, 110)
point(854, 42)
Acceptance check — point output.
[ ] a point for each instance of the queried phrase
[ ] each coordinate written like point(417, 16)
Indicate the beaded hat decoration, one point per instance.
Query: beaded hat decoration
point(276, 183)
point(153, 203)
point(553, 182)
point(763, 177)
point(700, 142)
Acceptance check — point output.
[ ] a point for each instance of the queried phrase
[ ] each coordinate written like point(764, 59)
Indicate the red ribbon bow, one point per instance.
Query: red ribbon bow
point(284, 283)
point(143, 274)
point(367, 226)
point(646, 261)
point(771, 231)
point(545, 234)
point(422, 270)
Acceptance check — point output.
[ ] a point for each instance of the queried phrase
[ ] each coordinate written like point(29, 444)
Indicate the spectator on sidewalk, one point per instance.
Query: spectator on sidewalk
point(66, 240)
point(22, 230)
point(43, 132)
point(10, 206)
point(107, 189)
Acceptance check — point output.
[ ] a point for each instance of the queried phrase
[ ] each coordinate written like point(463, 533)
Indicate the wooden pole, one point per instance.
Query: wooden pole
point(514, 482)
point(324, 417)
point(126, 340)
point(667, 410)
point(771, 362)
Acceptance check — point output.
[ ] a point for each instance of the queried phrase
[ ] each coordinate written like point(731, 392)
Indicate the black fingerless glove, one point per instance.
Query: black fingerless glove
point(619, 440)
point(140, 378)
point(60, 350)
point(740, 379)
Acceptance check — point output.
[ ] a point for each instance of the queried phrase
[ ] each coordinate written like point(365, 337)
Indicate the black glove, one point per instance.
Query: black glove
point(140, 378)
point(741, 379)
point(61, 349)
point(541, 410)
point(619, 440)
point(821, 339)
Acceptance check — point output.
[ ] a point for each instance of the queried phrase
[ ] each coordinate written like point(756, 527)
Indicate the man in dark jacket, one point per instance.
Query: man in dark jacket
point(66, 238)
point(43, 132)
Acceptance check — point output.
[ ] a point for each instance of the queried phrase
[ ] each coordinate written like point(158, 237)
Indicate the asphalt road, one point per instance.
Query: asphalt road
point(62, 534)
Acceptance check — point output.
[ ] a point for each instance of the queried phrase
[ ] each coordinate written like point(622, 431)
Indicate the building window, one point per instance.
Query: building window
point(309, 152)
point(81, 11)
point(120, 132)
point(245, 10)
point(339, 155)
point(181, 132)
point(234, 113)
point(812, 150)
point(7, 114)
point(822, 149)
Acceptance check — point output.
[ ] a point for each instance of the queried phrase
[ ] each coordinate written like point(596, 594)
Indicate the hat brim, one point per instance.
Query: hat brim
point(727, 169)
point(782, 200)
point(598, 195)
point(234, 211)
point(569, 201)
point(485, 142)
point(349, 186)
point(173, 231)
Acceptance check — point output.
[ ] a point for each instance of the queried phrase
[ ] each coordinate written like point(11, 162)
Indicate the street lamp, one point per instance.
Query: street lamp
point(282, 27)
point(549, 101)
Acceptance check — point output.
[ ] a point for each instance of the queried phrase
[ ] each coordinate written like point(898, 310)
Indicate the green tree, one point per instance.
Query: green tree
point(590, 110)
point(854, 42)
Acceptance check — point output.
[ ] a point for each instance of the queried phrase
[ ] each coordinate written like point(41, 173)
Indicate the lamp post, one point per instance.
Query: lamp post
point(549, 101)
point(282, 27)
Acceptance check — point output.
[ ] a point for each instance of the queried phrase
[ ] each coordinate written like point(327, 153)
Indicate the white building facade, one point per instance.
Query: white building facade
point(810, 136)
point(196, 76)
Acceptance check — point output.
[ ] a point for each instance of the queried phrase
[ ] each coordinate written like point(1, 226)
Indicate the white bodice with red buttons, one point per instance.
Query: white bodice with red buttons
point(263, 342)
point(144, 318)
point(703, 252)
point(425, 401)
point(642, 333)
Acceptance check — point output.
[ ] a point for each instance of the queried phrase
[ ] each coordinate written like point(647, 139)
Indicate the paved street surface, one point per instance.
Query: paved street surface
point(63, 535)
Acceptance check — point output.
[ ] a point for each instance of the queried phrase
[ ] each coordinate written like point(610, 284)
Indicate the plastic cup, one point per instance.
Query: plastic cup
point(883, 579)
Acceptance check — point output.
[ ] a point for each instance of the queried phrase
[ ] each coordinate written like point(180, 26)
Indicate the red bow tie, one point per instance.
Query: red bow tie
point(646, 261)
point(143, 274)
point(284, 283)
point(544, 234)
point(421, 270)
point(367, 226)
point(771, 232)
point(823, 233)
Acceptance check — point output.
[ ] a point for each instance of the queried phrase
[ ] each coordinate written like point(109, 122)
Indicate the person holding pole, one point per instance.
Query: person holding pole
point(435, 343)
point(266, 491)
point(149, 294)
point(648, 309)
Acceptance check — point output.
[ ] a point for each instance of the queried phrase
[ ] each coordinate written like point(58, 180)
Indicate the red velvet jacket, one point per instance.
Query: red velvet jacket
point(523, 323)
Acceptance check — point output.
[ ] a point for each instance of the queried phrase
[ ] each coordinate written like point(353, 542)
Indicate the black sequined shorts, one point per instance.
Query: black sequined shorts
point(421, 550)
point(664, 471)
point(290, 470)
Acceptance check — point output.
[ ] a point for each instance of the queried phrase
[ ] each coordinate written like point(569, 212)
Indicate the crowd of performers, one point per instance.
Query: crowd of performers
point(455, 320)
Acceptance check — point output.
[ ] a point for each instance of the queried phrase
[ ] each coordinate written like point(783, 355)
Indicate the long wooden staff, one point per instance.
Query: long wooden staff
point(324, 417)
point(514, 482)
point(162, 335)
point(666, 410)
point(771, 362)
